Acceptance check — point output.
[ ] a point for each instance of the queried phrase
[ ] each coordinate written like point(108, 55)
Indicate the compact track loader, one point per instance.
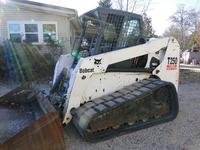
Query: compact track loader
point(115, 81)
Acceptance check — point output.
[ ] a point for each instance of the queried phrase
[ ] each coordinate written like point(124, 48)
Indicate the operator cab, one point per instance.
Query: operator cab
point(105, 30)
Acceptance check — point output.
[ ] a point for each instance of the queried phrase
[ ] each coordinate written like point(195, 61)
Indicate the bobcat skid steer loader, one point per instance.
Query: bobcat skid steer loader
point(114, 82)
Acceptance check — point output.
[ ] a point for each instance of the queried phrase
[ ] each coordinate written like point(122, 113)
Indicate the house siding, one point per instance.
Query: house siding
point(16, 13)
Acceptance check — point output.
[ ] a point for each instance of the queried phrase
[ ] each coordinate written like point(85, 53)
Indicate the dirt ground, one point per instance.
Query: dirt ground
point(181, 134)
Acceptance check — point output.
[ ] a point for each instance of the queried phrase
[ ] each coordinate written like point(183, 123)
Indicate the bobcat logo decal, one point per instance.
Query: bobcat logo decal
point(97, 61)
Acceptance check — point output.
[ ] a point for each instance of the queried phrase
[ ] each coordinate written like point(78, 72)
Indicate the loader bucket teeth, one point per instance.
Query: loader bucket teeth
point(29, 121)
point(140, 105)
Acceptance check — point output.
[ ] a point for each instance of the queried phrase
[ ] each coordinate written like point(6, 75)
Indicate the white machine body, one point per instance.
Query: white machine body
point(90, 79)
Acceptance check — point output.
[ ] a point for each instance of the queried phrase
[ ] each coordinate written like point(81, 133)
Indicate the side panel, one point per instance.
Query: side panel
point(98, 85)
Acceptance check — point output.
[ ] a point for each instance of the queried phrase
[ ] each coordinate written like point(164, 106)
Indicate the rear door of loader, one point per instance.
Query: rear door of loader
point(28, 121)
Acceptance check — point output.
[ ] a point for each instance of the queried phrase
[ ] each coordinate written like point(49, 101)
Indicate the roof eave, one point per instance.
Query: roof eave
point(67, 12)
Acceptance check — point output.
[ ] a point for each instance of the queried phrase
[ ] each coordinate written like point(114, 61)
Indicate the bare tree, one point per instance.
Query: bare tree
point(197, 35)
point(139, 6)
point(173, 31)
point(185, 21)
point(105, 3)
point(176, 32)
point(181, 20)
point(194, 18)
point(148, 28)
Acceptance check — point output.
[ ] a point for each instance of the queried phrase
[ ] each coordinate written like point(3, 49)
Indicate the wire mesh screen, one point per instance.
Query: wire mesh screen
point(109, 31)
point(112, 31)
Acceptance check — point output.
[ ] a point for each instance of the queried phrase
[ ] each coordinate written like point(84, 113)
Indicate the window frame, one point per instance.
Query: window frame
point(40, 29)
point(9, 32)
point(25, 32)
point(48, 22)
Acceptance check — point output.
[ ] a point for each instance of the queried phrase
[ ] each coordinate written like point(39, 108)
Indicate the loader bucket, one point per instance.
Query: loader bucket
point(28, 121)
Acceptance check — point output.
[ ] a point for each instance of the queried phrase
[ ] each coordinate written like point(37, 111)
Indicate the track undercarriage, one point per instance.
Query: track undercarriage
point(140, 105)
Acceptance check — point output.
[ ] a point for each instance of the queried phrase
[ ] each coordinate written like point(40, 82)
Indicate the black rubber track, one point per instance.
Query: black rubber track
point(84, 114)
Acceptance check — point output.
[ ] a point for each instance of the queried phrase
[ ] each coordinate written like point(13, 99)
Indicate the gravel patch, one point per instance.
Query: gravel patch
point(181, 134)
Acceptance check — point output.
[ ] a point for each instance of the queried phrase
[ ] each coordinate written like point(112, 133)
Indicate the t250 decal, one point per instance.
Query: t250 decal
point(172, 63)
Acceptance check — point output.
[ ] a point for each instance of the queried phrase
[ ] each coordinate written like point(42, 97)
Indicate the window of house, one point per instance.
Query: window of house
point(15, 32)
point(49, 30)
point(31, 33)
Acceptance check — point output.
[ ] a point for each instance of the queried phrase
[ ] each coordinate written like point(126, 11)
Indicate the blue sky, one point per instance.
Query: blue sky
point(159, 11)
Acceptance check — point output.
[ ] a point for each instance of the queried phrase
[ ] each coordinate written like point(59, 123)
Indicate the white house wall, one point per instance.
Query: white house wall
point(17, 13)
